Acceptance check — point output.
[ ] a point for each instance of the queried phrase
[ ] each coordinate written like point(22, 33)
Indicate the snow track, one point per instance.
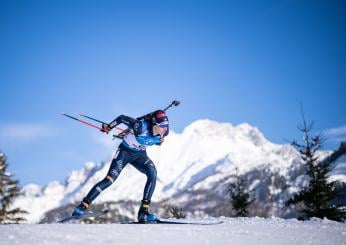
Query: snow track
point(233, 231)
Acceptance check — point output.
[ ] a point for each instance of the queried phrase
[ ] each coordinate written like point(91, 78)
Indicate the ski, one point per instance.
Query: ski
point(87, 215)
point(171, 222)
point(188, 223)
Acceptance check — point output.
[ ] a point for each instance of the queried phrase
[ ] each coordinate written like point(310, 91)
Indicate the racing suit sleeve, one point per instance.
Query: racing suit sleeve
point(134, 124)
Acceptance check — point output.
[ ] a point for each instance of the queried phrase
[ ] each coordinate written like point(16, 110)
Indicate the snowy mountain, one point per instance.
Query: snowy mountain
point(193, 167)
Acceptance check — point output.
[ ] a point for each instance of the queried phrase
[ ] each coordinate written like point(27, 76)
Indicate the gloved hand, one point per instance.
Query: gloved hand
point(105, 128)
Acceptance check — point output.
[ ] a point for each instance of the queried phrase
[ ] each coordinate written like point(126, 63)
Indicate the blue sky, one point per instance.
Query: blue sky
point(245, 61)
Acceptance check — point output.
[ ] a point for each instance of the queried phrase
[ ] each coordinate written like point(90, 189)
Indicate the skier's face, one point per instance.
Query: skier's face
point(160, 129)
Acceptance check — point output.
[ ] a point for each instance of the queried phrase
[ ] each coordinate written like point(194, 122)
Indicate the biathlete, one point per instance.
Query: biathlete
point(142, 132)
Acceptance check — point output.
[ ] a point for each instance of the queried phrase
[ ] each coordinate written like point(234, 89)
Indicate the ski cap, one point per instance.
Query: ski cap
point(160, 117)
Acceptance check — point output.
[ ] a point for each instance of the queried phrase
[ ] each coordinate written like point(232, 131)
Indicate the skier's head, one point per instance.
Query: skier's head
point(160, 123)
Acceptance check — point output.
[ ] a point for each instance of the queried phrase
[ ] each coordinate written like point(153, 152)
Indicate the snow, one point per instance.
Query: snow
point(240, 231)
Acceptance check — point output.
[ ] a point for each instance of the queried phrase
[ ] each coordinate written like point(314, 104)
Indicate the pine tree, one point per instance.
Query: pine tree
point(177, 212)
point(239, 195)
point(9, 190)
point(316, 199)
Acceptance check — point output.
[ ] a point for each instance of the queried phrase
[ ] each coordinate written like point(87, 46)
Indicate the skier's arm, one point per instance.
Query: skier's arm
point(136, 125)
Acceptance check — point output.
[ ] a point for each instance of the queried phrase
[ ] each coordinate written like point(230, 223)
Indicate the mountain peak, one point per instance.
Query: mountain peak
point(207, 127)
point(253, 133)
point(203, 125)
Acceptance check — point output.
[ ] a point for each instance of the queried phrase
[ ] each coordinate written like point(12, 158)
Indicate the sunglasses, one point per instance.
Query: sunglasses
point(163, 125)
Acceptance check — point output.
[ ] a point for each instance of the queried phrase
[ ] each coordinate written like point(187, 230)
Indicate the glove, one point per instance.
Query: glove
point(105, 128)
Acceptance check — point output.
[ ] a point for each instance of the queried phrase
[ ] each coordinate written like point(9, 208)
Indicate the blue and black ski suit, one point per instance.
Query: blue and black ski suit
point(132, 150)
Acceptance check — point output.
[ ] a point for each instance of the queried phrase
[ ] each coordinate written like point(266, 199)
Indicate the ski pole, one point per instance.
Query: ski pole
point(96, 120)
point(88, 124)
point(79, 120)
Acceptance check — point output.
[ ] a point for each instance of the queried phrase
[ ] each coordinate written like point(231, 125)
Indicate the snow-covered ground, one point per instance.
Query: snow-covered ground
point(233, 231)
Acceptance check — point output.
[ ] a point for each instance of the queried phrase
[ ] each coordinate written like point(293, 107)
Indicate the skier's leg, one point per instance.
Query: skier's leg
point(146, 166)
point(118, 163)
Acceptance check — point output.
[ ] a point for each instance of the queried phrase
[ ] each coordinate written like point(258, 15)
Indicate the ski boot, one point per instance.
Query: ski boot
point(81, 209)
point(143, 214)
